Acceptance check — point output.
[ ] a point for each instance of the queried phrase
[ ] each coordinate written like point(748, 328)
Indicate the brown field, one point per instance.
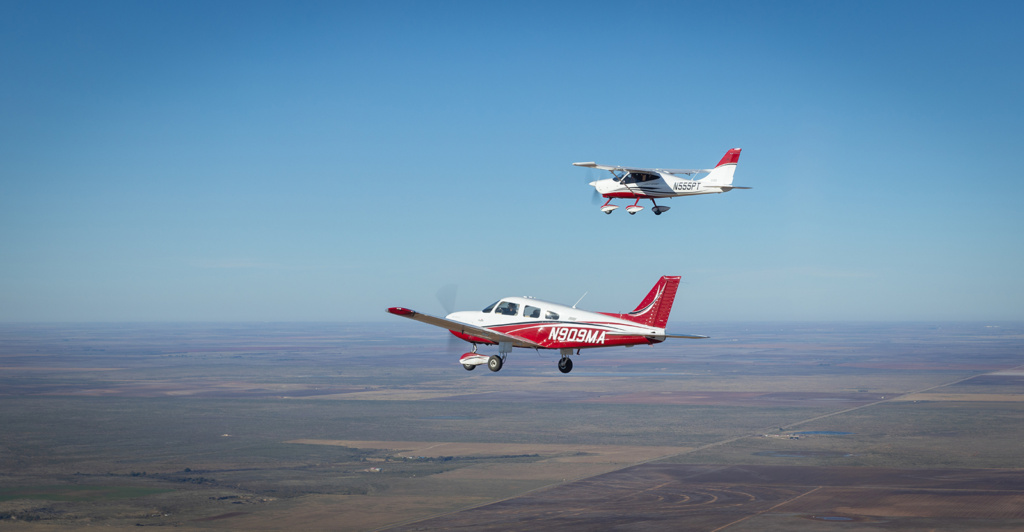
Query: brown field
point(837, 400)
point(616, 454)
point(990, 397)
point(686, 497)
point(310, 426)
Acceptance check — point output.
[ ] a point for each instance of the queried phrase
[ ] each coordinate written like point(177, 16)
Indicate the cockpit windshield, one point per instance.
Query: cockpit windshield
point(490, 307)
point(507, 308)
point(639, 177)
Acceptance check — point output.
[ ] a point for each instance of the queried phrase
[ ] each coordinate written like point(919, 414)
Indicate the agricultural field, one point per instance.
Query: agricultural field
point(747, 498)
point(376, 426)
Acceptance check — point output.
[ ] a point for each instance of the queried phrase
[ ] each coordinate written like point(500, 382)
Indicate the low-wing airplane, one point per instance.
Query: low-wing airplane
point(533, 323)
point(652, 183)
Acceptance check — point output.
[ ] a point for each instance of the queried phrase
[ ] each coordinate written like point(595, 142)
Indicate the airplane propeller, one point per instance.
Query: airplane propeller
point(593, 174)
point(446, 296)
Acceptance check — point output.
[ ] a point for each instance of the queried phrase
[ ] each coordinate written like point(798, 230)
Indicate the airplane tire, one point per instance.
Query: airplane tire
point(565, 365)
point(469, 367)
point(494, 363)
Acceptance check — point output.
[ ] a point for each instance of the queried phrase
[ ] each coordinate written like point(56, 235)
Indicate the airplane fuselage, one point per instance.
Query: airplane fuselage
point(534, 323)
point(553, 326)
point(658, 183)
point(663, 186)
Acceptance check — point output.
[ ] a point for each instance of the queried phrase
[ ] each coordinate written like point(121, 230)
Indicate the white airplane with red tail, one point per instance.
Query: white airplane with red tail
point(653, 183)
point(533, 323)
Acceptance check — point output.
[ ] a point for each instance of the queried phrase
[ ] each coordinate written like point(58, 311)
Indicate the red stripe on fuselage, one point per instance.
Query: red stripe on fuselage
point(625, 195)
point(574, 335)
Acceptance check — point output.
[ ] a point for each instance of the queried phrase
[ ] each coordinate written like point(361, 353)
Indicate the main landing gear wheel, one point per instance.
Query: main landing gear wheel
point(565, 365)
point(469, 367)
point(494, 363)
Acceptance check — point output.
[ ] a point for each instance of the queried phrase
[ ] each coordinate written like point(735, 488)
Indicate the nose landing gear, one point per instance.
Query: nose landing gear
point(607, 208)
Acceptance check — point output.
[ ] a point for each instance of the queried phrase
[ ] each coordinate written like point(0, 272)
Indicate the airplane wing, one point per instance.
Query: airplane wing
point(673, 171)
point(598, 166)
point(460, 327)
point(687, 171)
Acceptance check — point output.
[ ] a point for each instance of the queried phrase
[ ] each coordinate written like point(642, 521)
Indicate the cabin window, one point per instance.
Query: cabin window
point(550, 315)
point(531, 312)
point(490, 307)
point(507, 308)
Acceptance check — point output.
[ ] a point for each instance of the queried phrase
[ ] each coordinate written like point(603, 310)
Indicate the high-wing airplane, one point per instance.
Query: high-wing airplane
point(533, 323)
point(652, 183)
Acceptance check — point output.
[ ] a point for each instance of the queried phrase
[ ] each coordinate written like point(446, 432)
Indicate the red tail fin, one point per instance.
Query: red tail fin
point(655, 308)
point(731, 157)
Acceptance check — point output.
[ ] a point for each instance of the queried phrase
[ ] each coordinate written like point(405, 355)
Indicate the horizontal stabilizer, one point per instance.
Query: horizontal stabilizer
point(655, 334)
point(651, 334)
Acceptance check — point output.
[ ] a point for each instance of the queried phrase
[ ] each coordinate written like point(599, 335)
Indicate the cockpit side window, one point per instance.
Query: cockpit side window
point(531, 312)
point(489, 307)
point(507, 308)
point(550, 315)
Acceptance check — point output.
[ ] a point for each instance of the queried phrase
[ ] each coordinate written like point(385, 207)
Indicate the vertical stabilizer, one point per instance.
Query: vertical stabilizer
point(655, 308)
point(721, 176)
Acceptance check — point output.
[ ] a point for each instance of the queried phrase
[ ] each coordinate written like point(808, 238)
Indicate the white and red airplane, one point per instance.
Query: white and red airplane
point(652, 183)
point(533, 323)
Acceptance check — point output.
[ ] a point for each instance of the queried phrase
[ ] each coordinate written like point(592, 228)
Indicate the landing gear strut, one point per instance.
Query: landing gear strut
point(564, 363)
point(496, 361)
point(471, 367)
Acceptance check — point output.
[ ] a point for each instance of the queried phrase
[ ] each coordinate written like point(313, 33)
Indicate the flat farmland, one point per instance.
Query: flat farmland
point(376, 426)
point(686, 497)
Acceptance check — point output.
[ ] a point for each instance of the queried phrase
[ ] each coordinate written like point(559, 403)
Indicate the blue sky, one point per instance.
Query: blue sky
point(324, 160)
